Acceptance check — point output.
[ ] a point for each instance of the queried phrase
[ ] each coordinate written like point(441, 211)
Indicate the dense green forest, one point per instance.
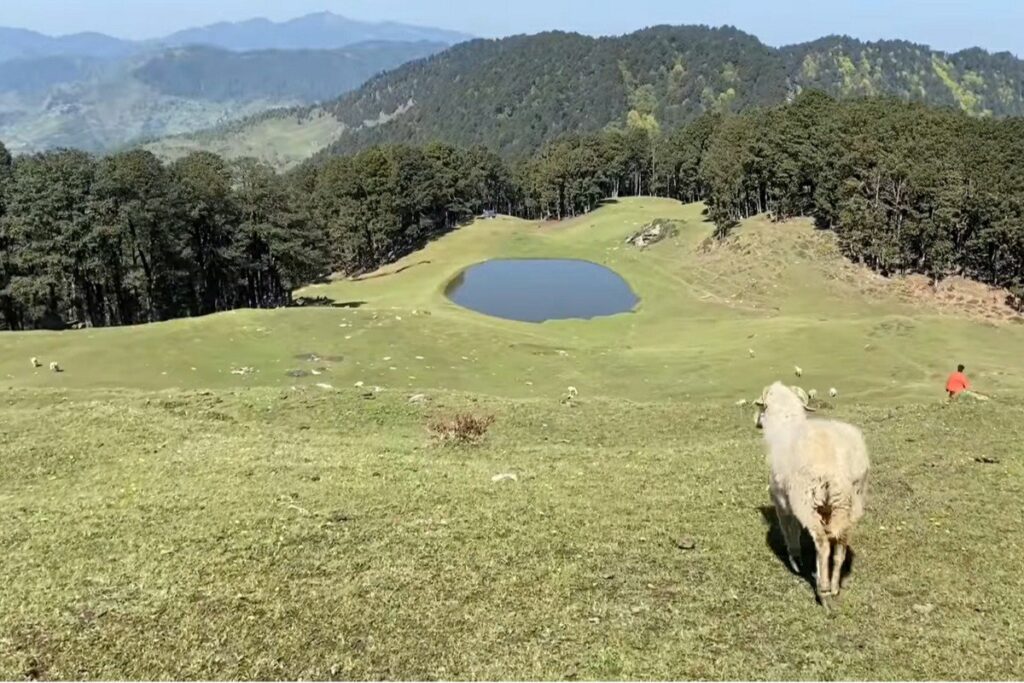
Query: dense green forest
point(517, 93)
point(125, 239)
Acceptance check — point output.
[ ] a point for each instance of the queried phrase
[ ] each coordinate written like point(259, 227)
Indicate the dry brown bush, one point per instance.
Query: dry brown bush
point(461, 428)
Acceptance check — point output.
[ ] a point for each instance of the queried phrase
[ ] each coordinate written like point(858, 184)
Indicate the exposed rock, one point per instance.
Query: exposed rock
point(652, 233)
point(505, 477)
point(686, 543)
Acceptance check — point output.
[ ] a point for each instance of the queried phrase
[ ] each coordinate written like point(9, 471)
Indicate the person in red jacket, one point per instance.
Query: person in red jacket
point(957, 382)
point(958, 385)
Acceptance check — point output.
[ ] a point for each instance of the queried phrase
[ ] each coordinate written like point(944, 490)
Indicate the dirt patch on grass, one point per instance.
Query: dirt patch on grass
point(746, 267)
point(958, 295)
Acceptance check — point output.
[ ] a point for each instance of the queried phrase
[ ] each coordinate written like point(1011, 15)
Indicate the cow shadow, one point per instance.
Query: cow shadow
point(325, 302)
point(777, 544)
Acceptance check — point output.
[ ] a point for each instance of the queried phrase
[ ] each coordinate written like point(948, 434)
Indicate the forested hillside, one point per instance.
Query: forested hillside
point(976, 81)
point(300, 75)
point(516, 93)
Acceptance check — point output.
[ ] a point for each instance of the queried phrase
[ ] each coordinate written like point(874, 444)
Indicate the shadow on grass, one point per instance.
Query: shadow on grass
point(774, 540)
point(374, 276)
point(325, 302)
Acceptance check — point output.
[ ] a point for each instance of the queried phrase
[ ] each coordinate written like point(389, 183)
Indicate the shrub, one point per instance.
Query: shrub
point(461, 428)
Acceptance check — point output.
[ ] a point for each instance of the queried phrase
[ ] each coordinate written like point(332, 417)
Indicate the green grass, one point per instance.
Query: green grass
point(279, 534)
point(283, 142)
point(780, 290)
point(165, 522)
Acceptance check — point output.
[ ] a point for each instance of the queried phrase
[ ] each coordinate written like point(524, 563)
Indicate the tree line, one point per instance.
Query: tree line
point(905, 187)
point(125, 239)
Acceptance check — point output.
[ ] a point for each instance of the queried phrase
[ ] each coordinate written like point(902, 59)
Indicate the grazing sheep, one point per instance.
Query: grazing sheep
point(818, 481)
point(55, 367)
point(742, 402)
point(812, 394)
point(833, 392)
point(36, 363)
point(573, 392)
point(751, 352)
point(798, 371)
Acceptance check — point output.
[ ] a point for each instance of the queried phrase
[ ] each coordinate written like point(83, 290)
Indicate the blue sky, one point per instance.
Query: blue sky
point(944, 24)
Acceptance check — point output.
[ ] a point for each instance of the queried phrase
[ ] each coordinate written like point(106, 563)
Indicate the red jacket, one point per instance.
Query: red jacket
point(957, 382)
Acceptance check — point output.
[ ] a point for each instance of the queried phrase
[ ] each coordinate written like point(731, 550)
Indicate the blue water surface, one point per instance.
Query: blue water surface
point(535, 290)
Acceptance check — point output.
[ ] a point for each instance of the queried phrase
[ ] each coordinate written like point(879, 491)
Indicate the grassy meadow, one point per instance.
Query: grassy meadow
point(281, 141)
point(217, 498)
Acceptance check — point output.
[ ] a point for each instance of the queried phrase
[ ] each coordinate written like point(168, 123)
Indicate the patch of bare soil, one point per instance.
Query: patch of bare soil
point(959, 295)
point(753, 261)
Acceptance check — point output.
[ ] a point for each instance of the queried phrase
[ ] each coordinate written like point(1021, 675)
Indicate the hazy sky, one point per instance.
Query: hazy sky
point(944, 24)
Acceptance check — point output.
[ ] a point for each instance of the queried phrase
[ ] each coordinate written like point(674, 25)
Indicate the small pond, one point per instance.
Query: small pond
point(535, 290)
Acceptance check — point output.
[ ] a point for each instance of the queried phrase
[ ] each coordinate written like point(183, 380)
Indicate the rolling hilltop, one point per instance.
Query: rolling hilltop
point(516, 93)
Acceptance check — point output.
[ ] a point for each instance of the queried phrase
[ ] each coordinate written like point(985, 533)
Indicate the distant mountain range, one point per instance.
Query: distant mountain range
point(322, 31)
point(98, 93)
point(517, 93)
point(16, 43)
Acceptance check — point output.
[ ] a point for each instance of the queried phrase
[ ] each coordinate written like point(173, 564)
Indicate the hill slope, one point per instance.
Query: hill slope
point(783, 290)
point(302, 75)
point(517, 93)
point(279, 524)
point(99, 105)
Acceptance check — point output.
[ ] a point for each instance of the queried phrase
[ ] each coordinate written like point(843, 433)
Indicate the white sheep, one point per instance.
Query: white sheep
point(36, 363)
point(798, 371)
point(751, 352)
point(833, 392)
point(55, 367)
point(812, 394)
point(818, 481)
point(573, 392)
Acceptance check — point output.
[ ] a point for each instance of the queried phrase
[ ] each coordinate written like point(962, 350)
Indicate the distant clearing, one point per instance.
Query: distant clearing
point(281, 142)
